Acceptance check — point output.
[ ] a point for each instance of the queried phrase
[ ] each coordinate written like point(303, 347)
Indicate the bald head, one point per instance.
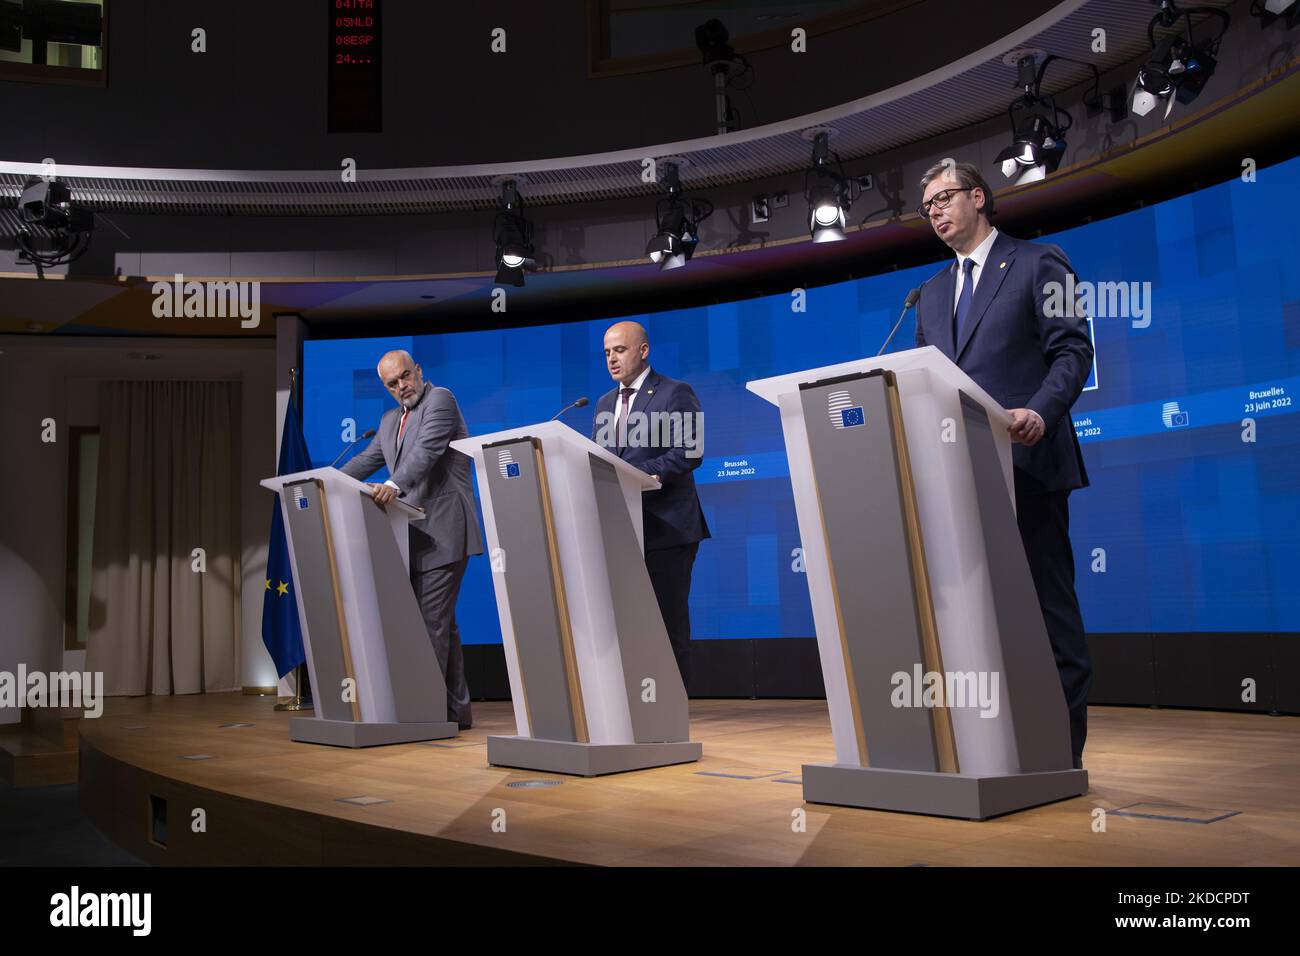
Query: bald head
point(627, 351)
point(403, 378)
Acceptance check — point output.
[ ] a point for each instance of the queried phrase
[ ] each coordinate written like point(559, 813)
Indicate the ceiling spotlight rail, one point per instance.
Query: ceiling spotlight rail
point(52, 215)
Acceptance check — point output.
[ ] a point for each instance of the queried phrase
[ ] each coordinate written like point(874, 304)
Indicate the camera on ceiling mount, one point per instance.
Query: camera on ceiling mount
point(55, 229)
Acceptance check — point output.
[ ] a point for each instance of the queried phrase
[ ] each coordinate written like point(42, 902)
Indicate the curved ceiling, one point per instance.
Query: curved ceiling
point(972, 89)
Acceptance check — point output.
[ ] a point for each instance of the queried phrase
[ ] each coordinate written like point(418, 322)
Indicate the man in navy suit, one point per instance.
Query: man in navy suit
point(654, 422)
point(986, 311)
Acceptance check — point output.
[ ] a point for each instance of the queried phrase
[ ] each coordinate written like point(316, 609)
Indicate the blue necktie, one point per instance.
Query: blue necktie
point(963, 303)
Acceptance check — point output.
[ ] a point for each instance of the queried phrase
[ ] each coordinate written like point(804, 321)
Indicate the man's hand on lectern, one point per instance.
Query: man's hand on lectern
point(1026, 426)
point(383, 493)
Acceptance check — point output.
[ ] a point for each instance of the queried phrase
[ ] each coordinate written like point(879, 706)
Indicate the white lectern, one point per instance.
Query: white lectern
point(375, 678)
point(942, 688)
point(593, 680)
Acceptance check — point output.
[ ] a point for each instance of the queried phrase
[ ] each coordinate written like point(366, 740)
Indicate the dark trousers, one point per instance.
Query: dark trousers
point(437, 590)
point(1044, 521)
point(670, 574)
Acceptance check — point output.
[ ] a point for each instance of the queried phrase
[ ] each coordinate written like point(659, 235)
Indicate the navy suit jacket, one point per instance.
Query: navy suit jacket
point(671, 516)
point(1017, 353)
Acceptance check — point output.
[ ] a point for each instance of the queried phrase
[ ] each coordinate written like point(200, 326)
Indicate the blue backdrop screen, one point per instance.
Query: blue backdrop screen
point(1189, 426)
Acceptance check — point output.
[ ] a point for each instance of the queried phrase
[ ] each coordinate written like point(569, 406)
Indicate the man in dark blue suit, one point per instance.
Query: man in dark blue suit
point(988, 312)
point(654, 422)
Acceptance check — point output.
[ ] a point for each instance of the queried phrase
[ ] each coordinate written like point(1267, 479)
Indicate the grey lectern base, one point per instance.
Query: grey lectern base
point(938, 794)
point(587, 760)
point(349, 733)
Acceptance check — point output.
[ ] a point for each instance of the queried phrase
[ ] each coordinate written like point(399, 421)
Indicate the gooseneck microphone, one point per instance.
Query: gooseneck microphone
point(369, 434)
point(907, 304)
point(580, 403)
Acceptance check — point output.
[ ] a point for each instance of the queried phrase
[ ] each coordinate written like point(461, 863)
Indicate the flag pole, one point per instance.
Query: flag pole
point(297, 701)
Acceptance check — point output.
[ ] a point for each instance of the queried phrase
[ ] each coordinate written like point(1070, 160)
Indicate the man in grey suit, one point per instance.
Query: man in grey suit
point(413, 442)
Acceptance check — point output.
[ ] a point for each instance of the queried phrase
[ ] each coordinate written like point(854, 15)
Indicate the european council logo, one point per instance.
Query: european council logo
point(506, 462)
point(842, 411)
point(1173, 416)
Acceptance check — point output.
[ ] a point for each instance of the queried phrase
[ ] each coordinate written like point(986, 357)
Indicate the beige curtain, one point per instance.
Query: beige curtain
point(168, 467)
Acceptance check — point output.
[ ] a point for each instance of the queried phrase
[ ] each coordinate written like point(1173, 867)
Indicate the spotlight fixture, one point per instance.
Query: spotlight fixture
point(829, 193)
point(513, 235)
point(1179, 65)
point(1271, 11)
point(1038, 125)
point(1038, 146)
point(55, 230)
point(677, 223)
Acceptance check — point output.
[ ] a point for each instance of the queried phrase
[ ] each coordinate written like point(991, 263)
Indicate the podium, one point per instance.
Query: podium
point(942, 688)
point(593, 680)
point(374, 676)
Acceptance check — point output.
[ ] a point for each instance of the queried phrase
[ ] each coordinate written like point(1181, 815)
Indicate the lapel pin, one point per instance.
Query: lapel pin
point(1003, 266)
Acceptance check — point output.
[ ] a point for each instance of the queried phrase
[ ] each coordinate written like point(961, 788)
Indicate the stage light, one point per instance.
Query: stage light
point(828, 191)
point(513, 235)
point(1036, 151)
point(1038, 126)
point(677, 223)
point(1179, 65)
point(48, 206)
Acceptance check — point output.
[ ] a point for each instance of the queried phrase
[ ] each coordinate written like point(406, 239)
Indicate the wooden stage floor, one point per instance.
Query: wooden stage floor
point(1192, 788)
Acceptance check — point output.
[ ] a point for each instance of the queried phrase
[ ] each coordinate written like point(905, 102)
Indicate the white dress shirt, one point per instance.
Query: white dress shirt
point(979, 254)
point(406, 413)
point(618, 399)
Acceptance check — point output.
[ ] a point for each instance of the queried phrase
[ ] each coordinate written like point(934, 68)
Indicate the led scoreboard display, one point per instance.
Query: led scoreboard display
point(355, 67)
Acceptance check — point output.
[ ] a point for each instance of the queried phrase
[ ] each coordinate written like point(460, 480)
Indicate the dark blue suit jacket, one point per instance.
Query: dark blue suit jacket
point(1022, 357)
point(672, 515)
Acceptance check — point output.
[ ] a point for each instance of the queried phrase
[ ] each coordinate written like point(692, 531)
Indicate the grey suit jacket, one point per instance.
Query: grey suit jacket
point(430, 475)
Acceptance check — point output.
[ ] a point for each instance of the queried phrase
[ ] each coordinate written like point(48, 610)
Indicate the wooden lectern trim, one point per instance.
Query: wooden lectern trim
point(579, 710)
point(345, 640)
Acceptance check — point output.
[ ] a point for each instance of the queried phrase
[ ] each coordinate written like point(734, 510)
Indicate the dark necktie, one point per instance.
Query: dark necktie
point(963, 304)
point(624, 406)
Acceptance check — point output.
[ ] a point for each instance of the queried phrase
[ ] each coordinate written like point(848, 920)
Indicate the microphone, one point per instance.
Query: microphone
point(580, 403)
point(907, 304)
point(369, 434)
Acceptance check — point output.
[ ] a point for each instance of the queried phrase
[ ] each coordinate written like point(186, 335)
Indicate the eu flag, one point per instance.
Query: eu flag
point(281, 632)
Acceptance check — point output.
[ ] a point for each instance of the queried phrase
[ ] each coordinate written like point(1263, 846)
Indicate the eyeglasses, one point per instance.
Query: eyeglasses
point(941, 200)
